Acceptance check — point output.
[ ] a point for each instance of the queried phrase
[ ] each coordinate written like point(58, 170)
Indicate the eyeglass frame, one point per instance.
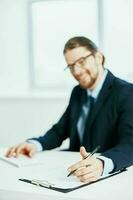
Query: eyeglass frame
point(71, 67)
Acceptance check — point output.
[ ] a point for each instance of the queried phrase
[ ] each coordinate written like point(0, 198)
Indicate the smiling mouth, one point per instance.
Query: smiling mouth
point(82, 78)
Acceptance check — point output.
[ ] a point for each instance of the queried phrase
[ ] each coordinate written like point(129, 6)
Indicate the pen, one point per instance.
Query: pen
point(89, 155)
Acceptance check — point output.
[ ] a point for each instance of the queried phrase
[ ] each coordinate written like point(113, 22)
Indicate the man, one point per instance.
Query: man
point(100, 112)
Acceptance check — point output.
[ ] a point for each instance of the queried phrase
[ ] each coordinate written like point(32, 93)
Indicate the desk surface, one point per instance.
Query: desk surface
point(118, 187)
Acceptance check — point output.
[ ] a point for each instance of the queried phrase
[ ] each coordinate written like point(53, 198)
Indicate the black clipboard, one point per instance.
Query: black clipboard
point(47, 185)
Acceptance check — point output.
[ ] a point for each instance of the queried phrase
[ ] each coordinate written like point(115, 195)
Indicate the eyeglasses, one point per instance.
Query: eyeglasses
point(80, 62)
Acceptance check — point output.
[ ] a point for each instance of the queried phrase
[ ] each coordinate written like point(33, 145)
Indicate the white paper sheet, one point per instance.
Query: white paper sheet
point(57, 177)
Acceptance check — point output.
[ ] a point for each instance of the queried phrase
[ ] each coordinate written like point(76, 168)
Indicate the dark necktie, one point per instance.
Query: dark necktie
point(85, 112)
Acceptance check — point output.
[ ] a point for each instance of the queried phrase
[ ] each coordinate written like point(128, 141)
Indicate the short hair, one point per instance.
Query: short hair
point(81, 41)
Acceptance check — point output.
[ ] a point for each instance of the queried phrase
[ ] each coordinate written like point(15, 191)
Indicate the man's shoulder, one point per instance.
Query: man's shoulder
point(123, 90)
point(77, 89)
point(120, 88)
point(118, 82)
point(77, 92)
point(121, 84)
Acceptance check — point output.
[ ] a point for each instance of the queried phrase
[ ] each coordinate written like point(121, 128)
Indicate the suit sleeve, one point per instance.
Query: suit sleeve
point(60, 131)
point(122, 153)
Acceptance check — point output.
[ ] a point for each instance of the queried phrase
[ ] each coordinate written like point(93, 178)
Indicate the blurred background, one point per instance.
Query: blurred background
point(34, 88)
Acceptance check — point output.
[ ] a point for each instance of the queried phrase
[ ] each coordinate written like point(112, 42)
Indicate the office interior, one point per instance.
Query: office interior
point(34, 88)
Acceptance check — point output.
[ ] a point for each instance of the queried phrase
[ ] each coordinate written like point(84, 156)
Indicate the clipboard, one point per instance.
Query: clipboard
point(48, 185)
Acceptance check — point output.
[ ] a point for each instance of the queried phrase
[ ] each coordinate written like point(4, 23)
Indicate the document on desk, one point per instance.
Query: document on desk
point(56, 179)
point(21, 161)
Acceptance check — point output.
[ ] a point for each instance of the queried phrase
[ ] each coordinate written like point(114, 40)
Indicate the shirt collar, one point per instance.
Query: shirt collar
point(94, 93)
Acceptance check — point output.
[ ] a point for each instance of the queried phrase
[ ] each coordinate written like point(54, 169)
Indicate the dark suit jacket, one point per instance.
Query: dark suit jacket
point(110, 125)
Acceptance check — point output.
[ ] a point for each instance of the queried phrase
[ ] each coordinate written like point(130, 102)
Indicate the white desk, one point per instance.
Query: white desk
point(118, 187)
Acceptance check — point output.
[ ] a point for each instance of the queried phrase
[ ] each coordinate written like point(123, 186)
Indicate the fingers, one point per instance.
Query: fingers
point(89, 177)
point(83, 171)
point(10, 152)
point(83, 152)
point(23, 148)
point(80, 164)
point(32, 152)
point(87, 170)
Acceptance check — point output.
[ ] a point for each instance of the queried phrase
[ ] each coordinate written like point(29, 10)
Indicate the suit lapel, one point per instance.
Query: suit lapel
point(104, 94)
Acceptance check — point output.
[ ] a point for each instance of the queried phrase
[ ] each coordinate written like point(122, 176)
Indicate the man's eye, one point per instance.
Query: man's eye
point(81, 61)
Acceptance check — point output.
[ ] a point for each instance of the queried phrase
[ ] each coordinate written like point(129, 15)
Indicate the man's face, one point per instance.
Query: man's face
point(84, 66)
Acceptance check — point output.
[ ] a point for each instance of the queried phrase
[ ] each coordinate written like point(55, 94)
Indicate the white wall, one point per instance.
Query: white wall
point(14, 61)
point(23, 118)
point(24, 112)
point(118, 37)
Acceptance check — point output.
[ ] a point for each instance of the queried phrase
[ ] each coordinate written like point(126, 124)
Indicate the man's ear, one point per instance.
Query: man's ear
point(99, 57)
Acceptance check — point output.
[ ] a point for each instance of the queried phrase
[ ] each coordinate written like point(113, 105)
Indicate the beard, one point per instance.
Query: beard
point(89, 80)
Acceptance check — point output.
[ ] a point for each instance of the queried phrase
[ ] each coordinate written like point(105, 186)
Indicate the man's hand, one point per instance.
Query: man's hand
point(24, 148)
point(87, 170)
